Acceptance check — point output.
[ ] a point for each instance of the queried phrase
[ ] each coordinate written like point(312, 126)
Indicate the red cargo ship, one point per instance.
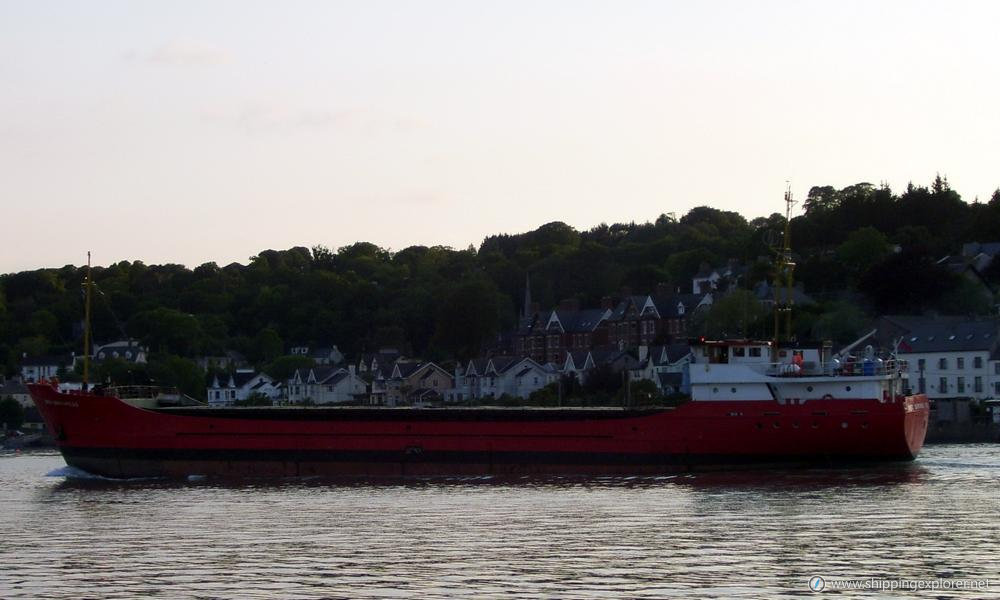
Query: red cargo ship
point(751, 403)
point(743, 411)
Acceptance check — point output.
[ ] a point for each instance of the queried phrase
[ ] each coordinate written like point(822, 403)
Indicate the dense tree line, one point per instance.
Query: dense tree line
point(861, 250)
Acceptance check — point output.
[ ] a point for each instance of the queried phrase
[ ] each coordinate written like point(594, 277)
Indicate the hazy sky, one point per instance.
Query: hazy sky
point(207, 131)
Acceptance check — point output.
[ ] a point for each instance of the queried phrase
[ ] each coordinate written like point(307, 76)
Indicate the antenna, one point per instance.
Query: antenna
point(783, 268)
point(86, 329)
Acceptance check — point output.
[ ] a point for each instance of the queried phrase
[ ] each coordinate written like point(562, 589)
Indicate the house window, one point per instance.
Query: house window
point(960, 363)
point(960, 384)
point(977, 362)
point(755, 352)
point(739, 351)
point(996, 388)
point(943, 385)
point(977, 384)
point(943, 363)
point(216, 394)
point(921, 364)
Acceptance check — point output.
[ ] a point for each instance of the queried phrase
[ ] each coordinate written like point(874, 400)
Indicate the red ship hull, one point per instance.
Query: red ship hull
point(110, 437)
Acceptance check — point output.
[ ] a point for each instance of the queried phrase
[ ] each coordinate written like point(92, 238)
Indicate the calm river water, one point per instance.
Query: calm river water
point(718, 535)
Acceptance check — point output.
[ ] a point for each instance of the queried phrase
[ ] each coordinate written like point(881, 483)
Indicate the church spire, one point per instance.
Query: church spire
point(527, 296)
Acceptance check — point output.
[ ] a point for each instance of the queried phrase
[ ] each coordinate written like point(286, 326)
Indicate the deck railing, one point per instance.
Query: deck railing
point(863, 368)
point(164, 396)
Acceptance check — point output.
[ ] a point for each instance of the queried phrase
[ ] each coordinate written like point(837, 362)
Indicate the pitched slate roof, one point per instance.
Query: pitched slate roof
point(241, 378)
point(476, 366)
point(502, 363)
point(579, 358)
point(667, 305)
point(946, 334)
point(581, 321)
point(622, 308)
point(676, 352)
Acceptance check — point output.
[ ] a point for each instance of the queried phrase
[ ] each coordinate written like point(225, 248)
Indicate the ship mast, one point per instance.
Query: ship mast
point(783, 267)
point(86, 329)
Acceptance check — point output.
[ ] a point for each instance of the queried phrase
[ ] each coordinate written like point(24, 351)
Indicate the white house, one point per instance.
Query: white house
point(949, 357)
point(666, 366)
point(36, 368)
point(16, 390)
point(225, 390)
point(493, 377)
point(127, 350)
point(322, 355)
point(326, 385)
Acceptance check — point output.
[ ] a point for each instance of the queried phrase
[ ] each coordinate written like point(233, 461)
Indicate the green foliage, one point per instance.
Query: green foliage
point(907, 282)
point(175, 371)
point(863, 248)
point(467, 316)
point(255, 399)
point(166, 370)
point(267, 345)
point(283, 367)
point(641, 392)
point(735, 315)
point(546, 396)
point(11, 413)
point(439, 301)
point(842, 323)
point(167, 330)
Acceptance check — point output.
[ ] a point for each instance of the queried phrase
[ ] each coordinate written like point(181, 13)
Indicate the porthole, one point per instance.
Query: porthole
point(864, 425)
point(848, 388)
point(809, 388)
point(815, 425)
point(843, 425)
point(760, 426)
point(795, 425)
point(775, 425)
point(715, 390)
point(733, 390)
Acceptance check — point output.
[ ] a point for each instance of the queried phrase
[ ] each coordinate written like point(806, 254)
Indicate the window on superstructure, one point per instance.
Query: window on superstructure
point(943, 363)
point(960, 384)
point(921, 364)
point(943, 384)
point(977, 362)
point(977, 384)
point(960, 363)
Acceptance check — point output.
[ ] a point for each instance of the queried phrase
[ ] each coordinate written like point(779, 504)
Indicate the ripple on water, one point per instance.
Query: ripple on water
point(715, 535)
